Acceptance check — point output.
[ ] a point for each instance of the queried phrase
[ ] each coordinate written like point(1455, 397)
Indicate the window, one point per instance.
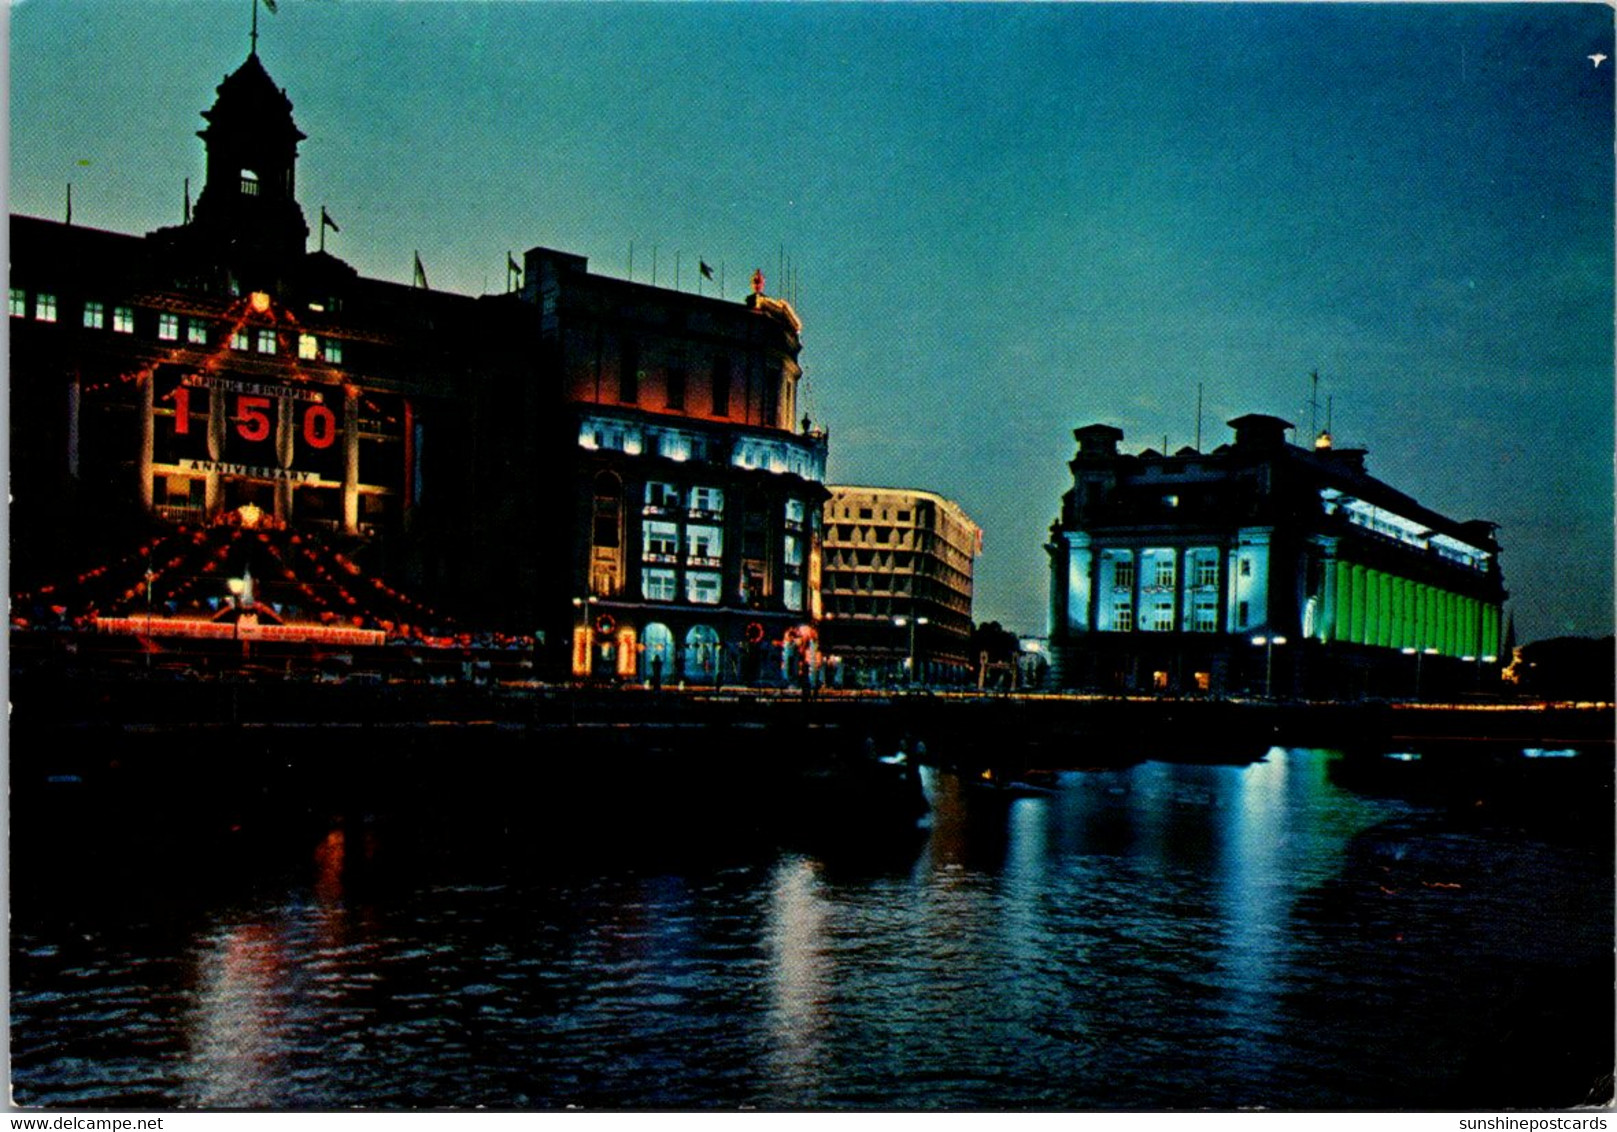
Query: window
point(675, 389)
point(95, 315)
point(308, 347)
point(1123, 574)
point(45, 307)
point(657, 584)
point(168, 327)
point(701, 588)
point(794, 510)
point(196, 332)
point(1243, 614)
point(1123, 617)
point(864, 512)
point(1246, 572)
point(661, 495)
point(721, 387)
point(903, 516)
point(629, 374)
point(333, 351)
point(1207, 572)
point(238, 340)
point(794, 551)
point(19, 303)
point(1165, 573)
point(1162, 616)
point(660, 540)
point(704, 544)
point(123, 320)
point(1205, 616)
point(791, 592)
point(266, 341)
point(708, 499)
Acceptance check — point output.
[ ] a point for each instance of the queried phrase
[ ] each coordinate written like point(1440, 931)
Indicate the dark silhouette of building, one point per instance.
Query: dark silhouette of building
point(607, 467)
point(1266, 568)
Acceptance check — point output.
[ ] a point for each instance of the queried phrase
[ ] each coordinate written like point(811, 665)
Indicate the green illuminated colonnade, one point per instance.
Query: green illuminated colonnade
point(1376, 608)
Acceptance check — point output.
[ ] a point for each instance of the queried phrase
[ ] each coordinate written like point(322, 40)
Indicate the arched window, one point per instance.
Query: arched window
point(657, 662)
point(249, 183)
point(701, 654)
point(606, 535)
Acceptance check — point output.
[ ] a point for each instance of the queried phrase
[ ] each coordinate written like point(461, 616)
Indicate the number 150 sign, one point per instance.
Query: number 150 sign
point(253, 421)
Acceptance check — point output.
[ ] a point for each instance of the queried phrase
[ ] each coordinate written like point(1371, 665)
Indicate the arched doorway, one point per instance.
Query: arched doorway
point(657, 662)
point(701, 654)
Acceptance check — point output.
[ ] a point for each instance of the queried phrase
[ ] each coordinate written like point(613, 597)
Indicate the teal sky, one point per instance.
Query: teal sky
point(1003, 221)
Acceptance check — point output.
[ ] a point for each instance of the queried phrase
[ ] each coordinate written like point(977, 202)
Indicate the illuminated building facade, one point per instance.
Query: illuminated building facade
point(693, 525)
point(609, 468)
point(898, 586)
point(1264, 568)
point(216, 365)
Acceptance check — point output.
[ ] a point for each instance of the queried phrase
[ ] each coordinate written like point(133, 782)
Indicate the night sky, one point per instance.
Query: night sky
point(1002, 222)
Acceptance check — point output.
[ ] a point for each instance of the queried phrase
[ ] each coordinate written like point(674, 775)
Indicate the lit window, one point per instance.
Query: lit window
point(1207, 572)
point(791, 592)
point(95, 315)
point(19, 303)
point(123, 320)
point(658, 585)
point(794, 551)
point(705, 543)
point(701, 588)
point(660, 540)
point(168, 327)
point(45, 307)
point(1206, 616)
point(661, 496)
point(238, 340)
point(1123, 617)
point(334, 351)
point(308, 347)
point(196, 332)
point(709, 499)
point(266, 341)
point(1162, 616)
point(1123, 575)
point(1165, 572)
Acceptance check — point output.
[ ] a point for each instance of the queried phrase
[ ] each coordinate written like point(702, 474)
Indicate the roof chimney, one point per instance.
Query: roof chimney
point(1257, 430)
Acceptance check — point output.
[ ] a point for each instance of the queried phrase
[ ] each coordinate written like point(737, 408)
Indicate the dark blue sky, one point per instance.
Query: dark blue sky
point(1004, 221)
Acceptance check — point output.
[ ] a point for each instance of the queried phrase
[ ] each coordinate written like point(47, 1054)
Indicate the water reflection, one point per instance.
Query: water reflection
point(1157, 935)
point(800, 973)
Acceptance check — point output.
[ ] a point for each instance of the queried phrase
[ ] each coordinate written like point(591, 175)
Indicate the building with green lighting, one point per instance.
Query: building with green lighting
point(1264, 568)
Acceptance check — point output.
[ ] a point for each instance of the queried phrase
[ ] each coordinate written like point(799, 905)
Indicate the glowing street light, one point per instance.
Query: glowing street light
point(912, 622)
point(1267, 644)
point(1419, 655)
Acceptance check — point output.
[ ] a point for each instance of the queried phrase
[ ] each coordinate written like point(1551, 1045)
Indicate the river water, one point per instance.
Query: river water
point(1285, 934)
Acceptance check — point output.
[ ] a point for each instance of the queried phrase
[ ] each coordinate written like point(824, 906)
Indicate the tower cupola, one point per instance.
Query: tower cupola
point(249, 202)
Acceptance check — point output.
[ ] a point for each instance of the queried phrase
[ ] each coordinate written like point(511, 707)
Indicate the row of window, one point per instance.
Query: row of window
point(1203, 572)
point(1158, 617)
point(121, 320)
point(704, 587)
point(597, 434)
point(867, 513)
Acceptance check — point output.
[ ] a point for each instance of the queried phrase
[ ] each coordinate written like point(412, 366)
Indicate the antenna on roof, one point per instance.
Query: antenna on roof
point(1313, 408)
point(1198, 416)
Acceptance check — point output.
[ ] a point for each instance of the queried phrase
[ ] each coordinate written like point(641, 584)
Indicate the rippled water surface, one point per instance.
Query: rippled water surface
point(1156, 936)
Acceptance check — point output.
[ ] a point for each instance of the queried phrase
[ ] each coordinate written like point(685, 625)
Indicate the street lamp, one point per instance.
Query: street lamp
point(912, 622)
point(1419, 655)
point(1267, 644)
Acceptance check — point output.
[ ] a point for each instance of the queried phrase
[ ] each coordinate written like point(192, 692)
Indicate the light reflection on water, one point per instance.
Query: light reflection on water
point(1135, 938)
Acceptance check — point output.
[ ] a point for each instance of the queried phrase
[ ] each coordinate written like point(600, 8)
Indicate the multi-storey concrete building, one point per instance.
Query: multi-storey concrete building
point(609, 467)
point(1263, 567)
point(898, 585)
